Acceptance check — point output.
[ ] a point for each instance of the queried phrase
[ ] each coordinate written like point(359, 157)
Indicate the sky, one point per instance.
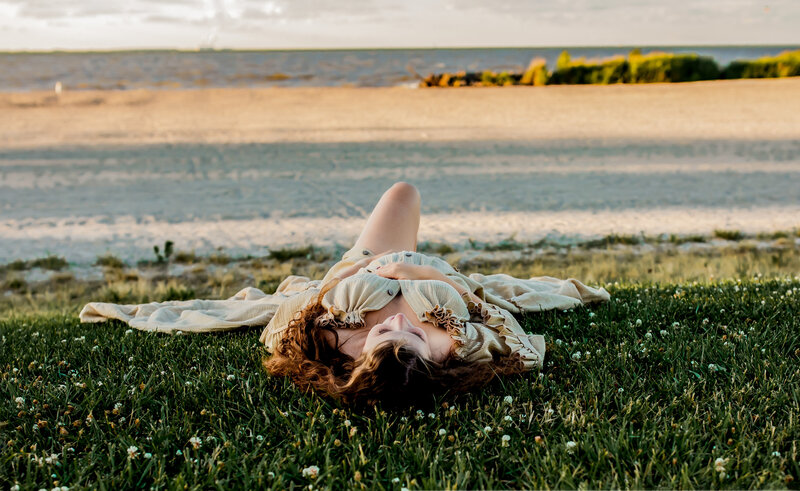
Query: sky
point(280, 24)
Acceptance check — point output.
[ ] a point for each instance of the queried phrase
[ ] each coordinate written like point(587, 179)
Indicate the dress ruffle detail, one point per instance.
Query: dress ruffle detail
point(522, 350)
point(352, 320)
point(443, 318)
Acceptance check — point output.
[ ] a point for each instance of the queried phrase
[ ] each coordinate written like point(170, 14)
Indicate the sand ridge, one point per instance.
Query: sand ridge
point(700, 110)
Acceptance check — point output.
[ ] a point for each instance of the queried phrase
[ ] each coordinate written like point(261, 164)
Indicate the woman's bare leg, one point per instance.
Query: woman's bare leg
point(394, 222)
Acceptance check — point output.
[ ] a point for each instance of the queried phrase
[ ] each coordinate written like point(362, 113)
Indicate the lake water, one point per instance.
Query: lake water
point(361, 68)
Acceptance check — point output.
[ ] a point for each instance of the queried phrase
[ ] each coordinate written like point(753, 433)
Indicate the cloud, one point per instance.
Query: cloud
point(193, 9)
point(657, 11)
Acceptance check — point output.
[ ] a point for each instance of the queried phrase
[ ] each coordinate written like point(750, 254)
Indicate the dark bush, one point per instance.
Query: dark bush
point(602, 72)
point(786, 64)
point(666, 67)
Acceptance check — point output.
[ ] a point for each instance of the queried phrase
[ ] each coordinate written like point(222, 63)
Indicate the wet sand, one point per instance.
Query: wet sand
point(247, 170)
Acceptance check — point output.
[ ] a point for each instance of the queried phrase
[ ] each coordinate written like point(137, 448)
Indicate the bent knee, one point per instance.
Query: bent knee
point(403, 191)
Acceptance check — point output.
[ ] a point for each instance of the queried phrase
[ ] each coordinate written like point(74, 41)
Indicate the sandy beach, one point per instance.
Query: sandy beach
point(735, 109)
point(247, 170)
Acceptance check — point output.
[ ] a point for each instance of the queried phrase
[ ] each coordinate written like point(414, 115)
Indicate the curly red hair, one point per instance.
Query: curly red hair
point(391, 374)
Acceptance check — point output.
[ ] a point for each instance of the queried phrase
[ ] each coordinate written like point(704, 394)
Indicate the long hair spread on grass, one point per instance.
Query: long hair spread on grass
point(391, 373)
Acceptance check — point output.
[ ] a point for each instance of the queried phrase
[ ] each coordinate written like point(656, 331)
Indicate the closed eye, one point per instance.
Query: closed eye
point(415, 333)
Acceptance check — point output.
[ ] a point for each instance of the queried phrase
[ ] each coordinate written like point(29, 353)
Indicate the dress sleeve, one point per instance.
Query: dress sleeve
point(272, 334)
point(493, 332)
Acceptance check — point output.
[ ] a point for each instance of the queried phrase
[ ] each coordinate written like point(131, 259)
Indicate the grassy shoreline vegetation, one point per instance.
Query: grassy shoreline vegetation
point(652, 67)
point(689, 377)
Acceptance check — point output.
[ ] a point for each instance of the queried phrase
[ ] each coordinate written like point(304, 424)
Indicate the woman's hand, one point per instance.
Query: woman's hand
point(404, 271)
point(362, 263)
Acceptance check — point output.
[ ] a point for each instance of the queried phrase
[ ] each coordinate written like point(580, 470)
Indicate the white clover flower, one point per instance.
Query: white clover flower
point(571, 446)
point(620, 390)
point(148, 455)
point(638, 322)
point(14, 488)
point(442, 432)
point(559, 342)
point(196, 441)
point(431, 416)
point(395, 480)
point(776, 454)
point(504, 440)
point(52, 459)
point(95, 348)
point(128, 331)
point(576, 355)
point(649, 335)
point(122, 419)
point(20, 401)
point(188, 382)
point(508, 400)
point(231, 377)
point(487, 429)
point(270, 474)
point(347, 422)
point(676, 324)
point(311, 471)
point(133, 451)
point(719, 464)
point(705, 321)
point(508, 418)
point(592, 314)
point(550, 411)
point(260, 438)
point(663, 332)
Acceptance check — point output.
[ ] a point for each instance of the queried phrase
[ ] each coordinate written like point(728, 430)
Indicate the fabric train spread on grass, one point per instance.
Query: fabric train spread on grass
point(252, 307)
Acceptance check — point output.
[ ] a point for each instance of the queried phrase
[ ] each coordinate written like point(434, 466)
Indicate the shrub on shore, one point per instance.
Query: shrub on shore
point(536, 73)
point(654, 67)
point(581, 71)
point(667, 67)
point(786, 64)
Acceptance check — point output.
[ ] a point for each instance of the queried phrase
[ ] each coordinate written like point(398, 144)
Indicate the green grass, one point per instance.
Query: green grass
point(701, 390)
point(110, 261)
point(290, 253)
point(734, 235)
point(53, 263)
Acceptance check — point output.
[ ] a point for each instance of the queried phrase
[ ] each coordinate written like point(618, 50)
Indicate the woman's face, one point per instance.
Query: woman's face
point(399, 328)
point(433, 344)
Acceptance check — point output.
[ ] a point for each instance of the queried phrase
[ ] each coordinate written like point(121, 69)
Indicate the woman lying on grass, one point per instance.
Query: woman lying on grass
point(386, 323)
point(393, 325)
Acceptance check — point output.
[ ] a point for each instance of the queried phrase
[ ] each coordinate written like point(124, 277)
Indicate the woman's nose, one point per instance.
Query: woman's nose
point(397, 322)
